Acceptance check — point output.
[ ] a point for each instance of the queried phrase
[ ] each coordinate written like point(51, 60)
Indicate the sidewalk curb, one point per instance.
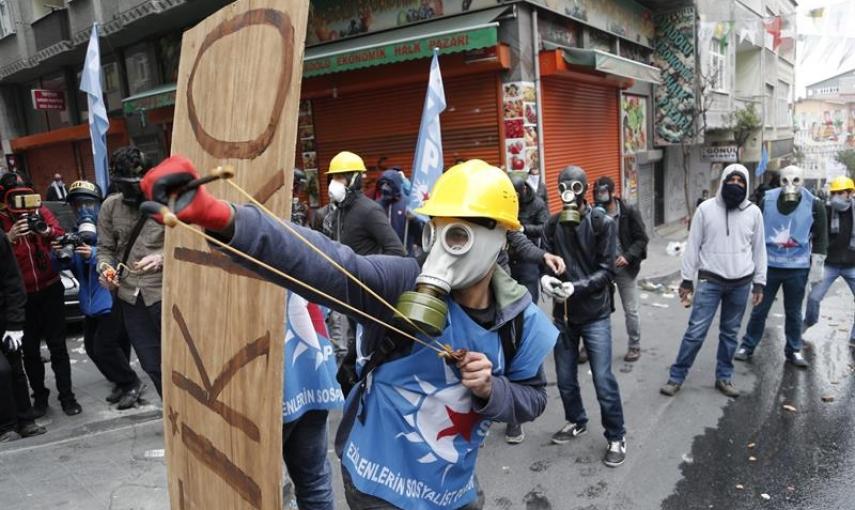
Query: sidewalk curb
point(83, 431)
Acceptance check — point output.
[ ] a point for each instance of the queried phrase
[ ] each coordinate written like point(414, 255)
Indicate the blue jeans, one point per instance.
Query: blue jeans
point(817, 293)
point(708, 295)
point(794, 282)
point(304, 448)
point(597, 337)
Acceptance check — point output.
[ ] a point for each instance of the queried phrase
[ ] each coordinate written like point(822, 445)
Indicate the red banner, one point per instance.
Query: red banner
point(48, 99)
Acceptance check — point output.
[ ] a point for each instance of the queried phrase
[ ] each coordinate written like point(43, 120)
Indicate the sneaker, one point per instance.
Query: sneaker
point(670, 389)
point(568, 432)
point(583, 355)
point(726, 388)
point(129, 398)
point(71, 407)
point(633, 354)
point(615, 454)
point(798, 360)
point(115, 395)
point(742, 354)
point(514, 433)
point(29, 429)
point(9, 435)
point(40, 405)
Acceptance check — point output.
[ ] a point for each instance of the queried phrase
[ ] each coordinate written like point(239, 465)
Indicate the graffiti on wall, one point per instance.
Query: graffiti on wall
point(634, 120)
point(832, 125)
point(674, 54)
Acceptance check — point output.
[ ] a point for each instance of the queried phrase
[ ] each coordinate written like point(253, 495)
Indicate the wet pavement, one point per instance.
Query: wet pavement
point(687, 452)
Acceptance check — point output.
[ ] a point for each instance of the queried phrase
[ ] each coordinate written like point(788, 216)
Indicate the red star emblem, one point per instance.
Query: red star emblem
point(425, 196)
point(461, 424)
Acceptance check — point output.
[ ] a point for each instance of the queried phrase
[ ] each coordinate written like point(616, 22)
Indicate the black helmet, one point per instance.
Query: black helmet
point(83, 189)
point(574, 173)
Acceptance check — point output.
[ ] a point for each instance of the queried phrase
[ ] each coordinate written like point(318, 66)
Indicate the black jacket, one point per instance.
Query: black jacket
point(839, 253)
point(361, 224)
point(533, 215)
point(589, 253)
point(12, 295)
point(632, 236)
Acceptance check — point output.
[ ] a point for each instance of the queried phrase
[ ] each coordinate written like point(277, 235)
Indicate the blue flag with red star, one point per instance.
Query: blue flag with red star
point(427, 163)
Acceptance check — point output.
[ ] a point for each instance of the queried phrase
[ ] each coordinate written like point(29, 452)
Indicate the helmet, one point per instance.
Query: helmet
point(474, 189)
point(83, 189)
point(346, 162)
point(841, 183)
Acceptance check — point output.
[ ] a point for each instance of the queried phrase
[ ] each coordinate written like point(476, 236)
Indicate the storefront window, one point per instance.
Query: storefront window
point(168, 53)
point(36, 120)
point(599, 40)
point(140, 64)
point(58, 118)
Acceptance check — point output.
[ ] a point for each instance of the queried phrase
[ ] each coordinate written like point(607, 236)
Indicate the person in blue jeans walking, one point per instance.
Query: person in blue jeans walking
point(726, 252)
point(840, 259)
point(586, 238)
point(796, 241)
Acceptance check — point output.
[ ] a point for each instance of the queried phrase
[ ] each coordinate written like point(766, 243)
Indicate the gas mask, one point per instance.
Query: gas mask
point(602, 196)
point(337, 191)
point(571, 195)
point(460, 254)
point(129, 187)
point(792, 178)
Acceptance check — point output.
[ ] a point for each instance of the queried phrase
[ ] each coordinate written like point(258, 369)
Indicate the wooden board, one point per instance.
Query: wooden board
point(236, 103)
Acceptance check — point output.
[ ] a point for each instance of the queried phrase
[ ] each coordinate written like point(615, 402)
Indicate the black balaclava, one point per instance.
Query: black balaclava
point(733, 194)
point(127, 167)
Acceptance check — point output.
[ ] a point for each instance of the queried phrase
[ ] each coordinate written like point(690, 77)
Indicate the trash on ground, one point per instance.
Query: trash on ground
point(790, 408)
point(827, 398)
point(675, 248)
point(766, 496)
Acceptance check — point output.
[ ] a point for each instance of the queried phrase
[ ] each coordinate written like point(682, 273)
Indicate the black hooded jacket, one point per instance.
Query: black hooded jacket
point(362, 224)
point(589, 252)
point(12, 294)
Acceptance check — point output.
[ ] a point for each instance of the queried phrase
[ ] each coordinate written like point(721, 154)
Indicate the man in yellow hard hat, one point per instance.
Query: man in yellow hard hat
point(840, 260)
point(413, 424)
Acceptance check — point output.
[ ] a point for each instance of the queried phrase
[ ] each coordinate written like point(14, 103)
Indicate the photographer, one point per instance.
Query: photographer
point(130, 258)
point(104, 336)
point(15, 413)
point(31, 227)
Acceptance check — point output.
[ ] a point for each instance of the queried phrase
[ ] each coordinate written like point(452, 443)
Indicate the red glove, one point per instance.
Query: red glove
point(195, 205)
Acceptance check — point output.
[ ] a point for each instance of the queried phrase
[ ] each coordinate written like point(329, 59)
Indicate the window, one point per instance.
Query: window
point(58, 118)
point(769, 103)
point(140, 65)
point(109, 86)
point(782, 105)
point(6, 25)
point(718, 75)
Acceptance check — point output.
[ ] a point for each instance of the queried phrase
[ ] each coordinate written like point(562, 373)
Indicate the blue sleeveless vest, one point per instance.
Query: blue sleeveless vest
point(788, 243)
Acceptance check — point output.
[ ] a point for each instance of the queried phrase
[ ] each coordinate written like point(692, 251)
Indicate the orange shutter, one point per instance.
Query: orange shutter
point(385, 123)
point(580, 126)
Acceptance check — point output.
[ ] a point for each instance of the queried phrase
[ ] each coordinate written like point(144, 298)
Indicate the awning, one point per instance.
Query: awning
point(608, 63)
point(157, 97)
point(451, 35)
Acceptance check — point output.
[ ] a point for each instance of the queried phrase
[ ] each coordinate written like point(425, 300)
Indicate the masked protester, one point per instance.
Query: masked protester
point(31, 231)
point(586, 238)
point(56, 192)
point(726, 252)
point(631, 250)
point(126, 237)
point(104, 336)
point(537, 183)
point(840, 261)
point(358, 222)
point(410, 411)
point(393, 188)
point(796, 243)
point(16, 417)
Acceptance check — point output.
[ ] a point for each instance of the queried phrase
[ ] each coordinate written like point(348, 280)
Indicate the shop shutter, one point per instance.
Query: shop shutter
point(385, 123)
point(45, 161)
point(580, 126)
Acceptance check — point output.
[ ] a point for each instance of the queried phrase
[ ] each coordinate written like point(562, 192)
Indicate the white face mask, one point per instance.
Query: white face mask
point(337, 191)
point(460, 253)
point(791, 182)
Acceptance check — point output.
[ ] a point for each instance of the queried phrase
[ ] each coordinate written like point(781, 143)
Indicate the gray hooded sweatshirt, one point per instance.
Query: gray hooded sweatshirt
point(729, 244)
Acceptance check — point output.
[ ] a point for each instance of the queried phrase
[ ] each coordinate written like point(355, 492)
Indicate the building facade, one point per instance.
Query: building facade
point(825, 122)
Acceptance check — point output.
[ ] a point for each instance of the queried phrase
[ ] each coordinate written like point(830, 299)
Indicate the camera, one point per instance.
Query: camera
point(36, 223)
point(86, 234)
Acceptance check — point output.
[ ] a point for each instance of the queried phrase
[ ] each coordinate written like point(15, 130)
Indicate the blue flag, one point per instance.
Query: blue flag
point(90, 83)
point(764, 160)
point(427, 163)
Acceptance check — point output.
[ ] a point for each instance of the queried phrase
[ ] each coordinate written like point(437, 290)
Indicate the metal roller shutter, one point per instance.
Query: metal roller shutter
point(580, 126)
point(385, 123)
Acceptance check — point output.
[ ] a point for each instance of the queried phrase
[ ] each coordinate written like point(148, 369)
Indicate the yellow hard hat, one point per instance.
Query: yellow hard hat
point(841, 183)
point(474, 189)
point(346, 162)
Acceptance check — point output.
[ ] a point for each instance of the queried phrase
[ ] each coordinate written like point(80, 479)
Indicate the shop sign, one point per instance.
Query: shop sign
point(400, 52)
point(674, 54)
point(624, 18)
point(330, 20)
point(720, 153)
point(48, 99)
